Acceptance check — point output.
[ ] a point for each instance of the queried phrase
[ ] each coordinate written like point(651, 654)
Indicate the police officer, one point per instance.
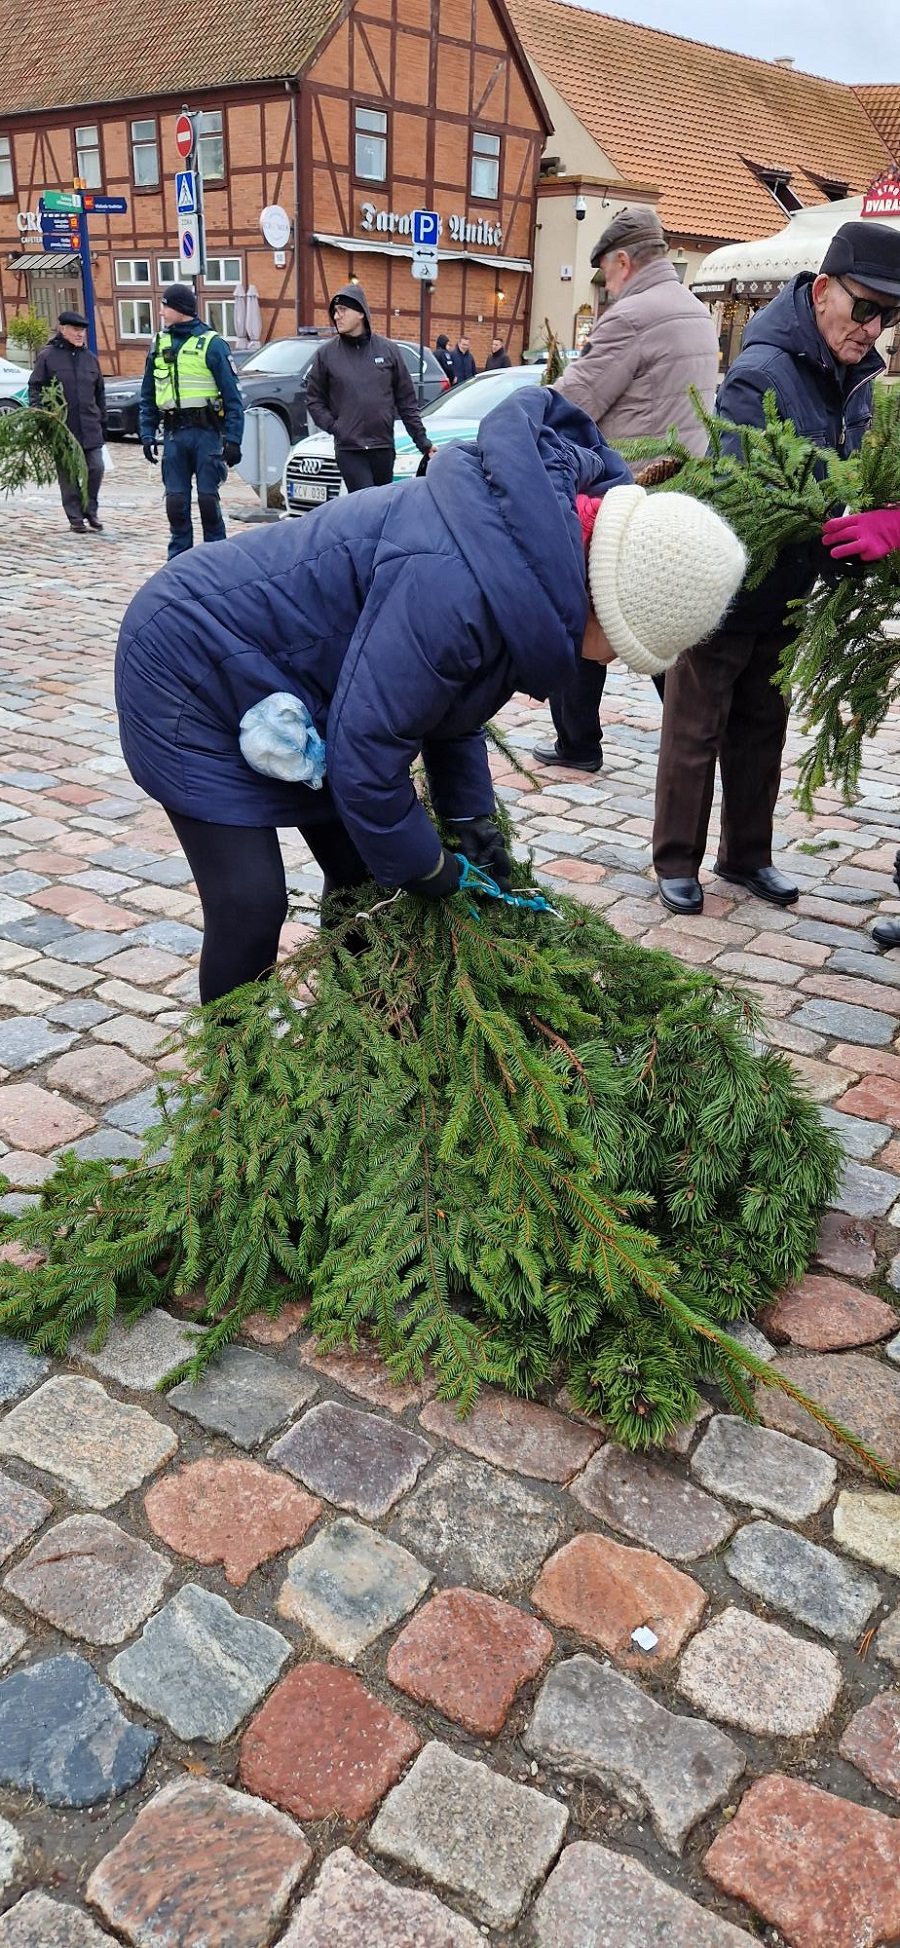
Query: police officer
point(189, 384)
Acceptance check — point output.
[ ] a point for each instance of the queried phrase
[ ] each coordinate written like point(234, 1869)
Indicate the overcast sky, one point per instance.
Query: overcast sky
point(831, 37)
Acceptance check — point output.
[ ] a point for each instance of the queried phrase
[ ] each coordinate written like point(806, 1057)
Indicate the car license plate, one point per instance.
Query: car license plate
point(307, 490)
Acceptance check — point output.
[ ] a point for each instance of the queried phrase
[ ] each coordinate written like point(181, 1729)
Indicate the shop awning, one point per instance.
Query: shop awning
point(377, 246)
point(45, 260)
point(759, 268)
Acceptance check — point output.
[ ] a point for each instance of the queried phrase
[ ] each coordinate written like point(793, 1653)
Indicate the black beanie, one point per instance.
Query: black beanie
point(181, 297)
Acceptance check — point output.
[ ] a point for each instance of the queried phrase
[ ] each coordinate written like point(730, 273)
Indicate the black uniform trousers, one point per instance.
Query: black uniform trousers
point(576, 709)
point(720, 703)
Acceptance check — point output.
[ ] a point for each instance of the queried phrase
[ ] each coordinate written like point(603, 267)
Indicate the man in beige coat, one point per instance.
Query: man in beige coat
point(653, 341)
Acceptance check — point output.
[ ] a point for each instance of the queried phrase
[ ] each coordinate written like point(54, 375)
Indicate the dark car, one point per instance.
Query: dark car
point(123, 401)
point(276, 377)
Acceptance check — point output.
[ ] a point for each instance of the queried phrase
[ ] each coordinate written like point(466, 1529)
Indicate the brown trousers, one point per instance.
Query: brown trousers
point(720, 702)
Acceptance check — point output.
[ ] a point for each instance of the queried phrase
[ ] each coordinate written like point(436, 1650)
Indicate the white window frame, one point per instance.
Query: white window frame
point(220, 278)
point(140, 143)
point(373, 133)
point(88, 165)
point(127, 269)
point(129, 321)
point(168, 270)
point(219, 312)
point(7, 183)
point(487, 157)
point(206, 137)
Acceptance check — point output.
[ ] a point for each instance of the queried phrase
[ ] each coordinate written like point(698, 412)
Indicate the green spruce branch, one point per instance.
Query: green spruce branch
point(35, 441)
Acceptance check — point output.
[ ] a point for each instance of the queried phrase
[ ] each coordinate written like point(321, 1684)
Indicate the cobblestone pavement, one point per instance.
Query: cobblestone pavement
point(297, 1656)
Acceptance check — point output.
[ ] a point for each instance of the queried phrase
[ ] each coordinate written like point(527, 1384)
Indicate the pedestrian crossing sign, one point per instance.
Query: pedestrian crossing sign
point(185, 192)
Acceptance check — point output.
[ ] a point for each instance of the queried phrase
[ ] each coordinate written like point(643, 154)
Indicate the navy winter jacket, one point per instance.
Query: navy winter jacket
point(783, 351)
point(404, 617)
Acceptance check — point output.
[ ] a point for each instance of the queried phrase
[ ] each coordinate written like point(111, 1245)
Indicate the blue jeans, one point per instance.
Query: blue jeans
point(188, 453)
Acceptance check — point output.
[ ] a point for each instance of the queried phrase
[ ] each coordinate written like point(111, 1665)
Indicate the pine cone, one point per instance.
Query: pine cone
point(655, 471)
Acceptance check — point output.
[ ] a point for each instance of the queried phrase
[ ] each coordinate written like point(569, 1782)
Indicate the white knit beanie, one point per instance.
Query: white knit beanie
point(662, 570)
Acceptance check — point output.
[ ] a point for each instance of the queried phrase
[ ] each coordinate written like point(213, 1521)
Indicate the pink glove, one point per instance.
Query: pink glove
point(870, 536)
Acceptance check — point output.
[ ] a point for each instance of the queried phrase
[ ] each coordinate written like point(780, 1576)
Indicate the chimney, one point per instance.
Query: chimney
point(783, 61)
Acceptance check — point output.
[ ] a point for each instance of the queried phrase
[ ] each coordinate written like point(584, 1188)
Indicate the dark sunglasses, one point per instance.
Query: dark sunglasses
point(863, 310)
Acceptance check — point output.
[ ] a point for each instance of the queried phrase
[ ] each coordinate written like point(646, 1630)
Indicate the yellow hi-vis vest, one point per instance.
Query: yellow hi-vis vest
point(182, 380)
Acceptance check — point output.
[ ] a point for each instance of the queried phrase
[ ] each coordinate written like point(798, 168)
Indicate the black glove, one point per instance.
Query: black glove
point(150, 451)
point(231, 452)
point(483, 844)
point(831, 572)
point(437, 885)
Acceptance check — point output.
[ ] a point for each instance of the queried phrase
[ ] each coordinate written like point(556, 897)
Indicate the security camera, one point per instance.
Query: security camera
point(580, 209)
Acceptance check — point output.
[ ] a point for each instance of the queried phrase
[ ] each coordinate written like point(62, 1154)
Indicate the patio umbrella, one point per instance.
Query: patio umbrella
point(253, 317)
point(240, 314)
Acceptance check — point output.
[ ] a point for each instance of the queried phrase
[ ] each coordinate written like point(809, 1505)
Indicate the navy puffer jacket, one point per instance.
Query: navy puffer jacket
point(783, 351)
point(404, 617)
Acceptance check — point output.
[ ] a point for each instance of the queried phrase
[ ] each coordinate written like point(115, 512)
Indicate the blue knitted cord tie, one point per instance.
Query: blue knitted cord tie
point(473, 880)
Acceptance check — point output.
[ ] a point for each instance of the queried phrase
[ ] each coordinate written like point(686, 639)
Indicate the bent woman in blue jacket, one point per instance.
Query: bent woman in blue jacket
point(402, 618)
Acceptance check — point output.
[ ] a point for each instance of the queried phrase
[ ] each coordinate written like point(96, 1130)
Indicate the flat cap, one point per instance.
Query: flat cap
point(868, 252)
point(630, 230)
point(73, 318)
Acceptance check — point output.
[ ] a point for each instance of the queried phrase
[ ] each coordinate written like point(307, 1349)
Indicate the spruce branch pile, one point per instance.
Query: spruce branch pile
point(35, 441)
point(514, 1148)
point(776, 490)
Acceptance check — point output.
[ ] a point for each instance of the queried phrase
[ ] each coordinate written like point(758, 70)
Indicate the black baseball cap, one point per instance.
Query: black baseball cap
point(868, 252)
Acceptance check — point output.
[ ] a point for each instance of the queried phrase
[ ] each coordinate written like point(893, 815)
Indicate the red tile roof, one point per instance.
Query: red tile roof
point(689, 118)
point(882, 105)
point(61, 56)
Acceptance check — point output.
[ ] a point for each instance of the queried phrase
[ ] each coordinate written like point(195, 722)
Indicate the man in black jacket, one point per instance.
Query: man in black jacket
point(358, 385)
point(464, 366)
point(67, 359)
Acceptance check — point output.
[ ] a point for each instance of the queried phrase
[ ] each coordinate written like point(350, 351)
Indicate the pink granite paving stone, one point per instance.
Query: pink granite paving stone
point(22, 1513)
point(468, 1654)
point(272, 1329)
point(822, 1870)
point(605, 1592)
point(33, 1119)
point(365, 1374)
point(322, 1746)
point(859, 1391)
point(202, 1867)
point(100, 1075)
point(514, 1434)
point(872, 1742)
point(353, 1907)
point(846, 1244)
point(827, 1314)
point(230, 1511)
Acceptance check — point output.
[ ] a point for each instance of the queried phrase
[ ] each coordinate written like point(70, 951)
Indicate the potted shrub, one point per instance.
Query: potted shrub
point(25, 334)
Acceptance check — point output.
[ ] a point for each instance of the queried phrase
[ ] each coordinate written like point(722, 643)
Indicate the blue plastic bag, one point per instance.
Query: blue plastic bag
point(278, 737)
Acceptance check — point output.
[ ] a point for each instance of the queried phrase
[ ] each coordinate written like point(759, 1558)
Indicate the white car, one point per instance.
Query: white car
point(13, 385)
point(311, 470)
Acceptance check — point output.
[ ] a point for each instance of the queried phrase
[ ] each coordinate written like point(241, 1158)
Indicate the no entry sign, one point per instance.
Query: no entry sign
point(184, 136)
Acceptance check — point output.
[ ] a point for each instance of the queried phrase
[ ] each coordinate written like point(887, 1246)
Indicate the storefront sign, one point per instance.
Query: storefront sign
point(882, 198)
point(460, 230)
point(28, 224)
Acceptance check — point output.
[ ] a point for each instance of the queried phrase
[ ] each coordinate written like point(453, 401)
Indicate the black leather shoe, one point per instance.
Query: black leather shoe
point(681, 895)
point(94, 522)
point(78, 527)
point(766, 883)
point(886, 933)
point(551, 754)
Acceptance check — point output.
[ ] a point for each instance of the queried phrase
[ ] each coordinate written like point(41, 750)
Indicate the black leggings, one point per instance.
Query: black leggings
point(239, 874)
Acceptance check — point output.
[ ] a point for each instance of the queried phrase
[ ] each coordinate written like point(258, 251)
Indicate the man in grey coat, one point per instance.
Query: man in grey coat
point(650, 345)
point(67, 359)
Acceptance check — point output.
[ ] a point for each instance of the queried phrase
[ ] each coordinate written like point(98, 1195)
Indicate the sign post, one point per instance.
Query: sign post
point(426, 228)
point(189, 198)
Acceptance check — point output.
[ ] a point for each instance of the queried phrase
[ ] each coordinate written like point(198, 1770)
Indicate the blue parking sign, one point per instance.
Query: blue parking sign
point(425, 227)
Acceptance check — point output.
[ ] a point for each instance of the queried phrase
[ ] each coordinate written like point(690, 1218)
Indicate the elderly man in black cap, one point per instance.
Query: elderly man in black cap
point(67, 359)
point(814, 347)
point(651, 343)
point(189, 383)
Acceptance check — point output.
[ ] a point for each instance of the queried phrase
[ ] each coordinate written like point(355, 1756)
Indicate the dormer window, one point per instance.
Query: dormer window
point(778, 184)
